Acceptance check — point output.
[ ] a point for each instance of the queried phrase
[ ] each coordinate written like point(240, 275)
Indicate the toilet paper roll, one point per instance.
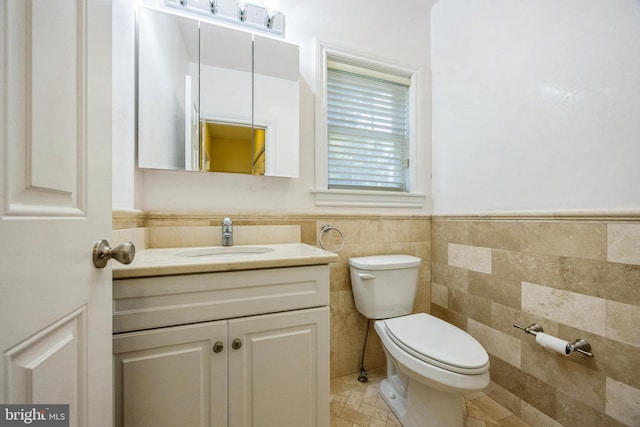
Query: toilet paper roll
point(552, 343)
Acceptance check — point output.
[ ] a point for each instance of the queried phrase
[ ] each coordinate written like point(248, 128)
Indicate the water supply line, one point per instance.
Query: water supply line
point(363, 378)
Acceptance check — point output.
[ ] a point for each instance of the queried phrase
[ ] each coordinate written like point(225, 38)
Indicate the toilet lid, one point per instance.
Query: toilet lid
point(439, 343)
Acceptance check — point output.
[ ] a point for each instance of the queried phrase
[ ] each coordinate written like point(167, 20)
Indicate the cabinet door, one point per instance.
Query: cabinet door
point(276, 105)
point(171, 377)
point(280, 374)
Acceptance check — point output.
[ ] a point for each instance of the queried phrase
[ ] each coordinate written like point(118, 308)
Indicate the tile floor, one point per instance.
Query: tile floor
point(354, 404)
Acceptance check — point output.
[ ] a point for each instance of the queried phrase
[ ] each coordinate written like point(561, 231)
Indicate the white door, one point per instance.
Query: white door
point(55, 195)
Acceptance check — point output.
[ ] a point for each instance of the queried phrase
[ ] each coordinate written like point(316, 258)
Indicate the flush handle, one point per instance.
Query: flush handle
point(102, 252)
point(366, 276)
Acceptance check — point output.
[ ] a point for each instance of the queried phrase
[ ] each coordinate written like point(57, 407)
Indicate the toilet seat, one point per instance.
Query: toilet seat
point(437, 342)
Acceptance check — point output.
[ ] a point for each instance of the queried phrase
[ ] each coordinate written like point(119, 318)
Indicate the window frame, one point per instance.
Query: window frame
point(324, 196)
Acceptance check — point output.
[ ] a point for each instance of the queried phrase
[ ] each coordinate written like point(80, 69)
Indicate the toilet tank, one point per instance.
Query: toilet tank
point(384, 285)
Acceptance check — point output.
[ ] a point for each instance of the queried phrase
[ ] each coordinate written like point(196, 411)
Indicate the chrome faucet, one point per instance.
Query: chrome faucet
point(227, 232)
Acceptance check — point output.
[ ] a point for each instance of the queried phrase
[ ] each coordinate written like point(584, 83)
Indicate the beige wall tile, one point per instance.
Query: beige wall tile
point(566, 238)
point(623, 402)
point(499, 290)
point(613, 358)
point(526, 267)
point(491, 408)
point(618, 282)
point(339, 278)
point(535, 417)
point(503, 318)
point(584, 384)
point(530, 388)
point(452, 277)
point(578, 310)
point(472, 258)
point(504, 397)
point(444, 232)
point(422, 299)
point(414, 230)
point(495, 342)
point(378, 230)
point(623, 323)
point(138, 236)
point(498, 235)
point(167, 237)
point(266, 234)
point(579, 279)
point(472, 306)
point(439, 294)
point(574, 413)
point(623, 243)
point(350, 346)
point(182, 237)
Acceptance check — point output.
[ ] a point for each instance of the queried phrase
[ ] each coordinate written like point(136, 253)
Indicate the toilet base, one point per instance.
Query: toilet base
point(416, 405)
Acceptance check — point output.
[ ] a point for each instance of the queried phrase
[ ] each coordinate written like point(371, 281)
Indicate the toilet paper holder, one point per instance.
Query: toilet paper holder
point(581, 346)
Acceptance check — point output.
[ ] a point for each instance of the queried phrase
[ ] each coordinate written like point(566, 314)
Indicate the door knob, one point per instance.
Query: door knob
point(236, 344)
point(102, 252)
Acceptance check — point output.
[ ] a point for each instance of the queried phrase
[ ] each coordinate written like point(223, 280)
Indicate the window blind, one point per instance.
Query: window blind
point(368, 131)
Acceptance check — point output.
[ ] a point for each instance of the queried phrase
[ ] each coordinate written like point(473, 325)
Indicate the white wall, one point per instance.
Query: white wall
point(127, 181)
point(536, 106)
point(395, 30)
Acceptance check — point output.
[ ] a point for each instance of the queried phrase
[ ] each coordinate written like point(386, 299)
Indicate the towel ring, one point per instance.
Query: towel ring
point(327, 227)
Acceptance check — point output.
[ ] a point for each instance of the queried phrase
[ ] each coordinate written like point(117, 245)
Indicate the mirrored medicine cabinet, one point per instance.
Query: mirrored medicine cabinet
point(213, 98)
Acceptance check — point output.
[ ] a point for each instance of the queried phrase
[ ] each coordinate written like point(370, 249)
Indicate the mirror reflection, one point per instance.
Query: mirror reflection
point(233, 148)
point(275, 101)
point(228, 136)
point(168, 91)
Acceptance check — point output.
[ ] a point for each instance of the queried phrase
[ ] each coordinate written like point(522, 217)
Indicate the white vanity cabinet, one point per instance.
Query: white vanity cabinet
point(183, 358)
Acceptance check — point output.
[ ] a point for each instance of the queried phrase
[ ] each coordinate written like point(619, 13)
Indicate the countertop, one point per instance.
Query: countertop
point(163, 262)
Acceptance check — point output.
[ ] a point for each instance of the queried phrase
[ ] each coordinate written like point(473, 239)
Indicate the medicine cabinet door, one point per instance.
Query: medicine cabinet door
point(276, 102)
point(226, 83)
point(168, 91)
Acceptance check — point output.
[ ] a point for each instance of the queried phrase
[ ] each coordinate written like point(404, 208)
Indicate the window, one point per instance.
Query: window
point(366, 132)
point(368, 129)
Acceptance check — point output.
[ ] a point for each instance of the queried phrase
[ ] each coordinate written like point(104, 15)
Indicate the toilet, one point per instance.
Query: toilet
point(430, 363)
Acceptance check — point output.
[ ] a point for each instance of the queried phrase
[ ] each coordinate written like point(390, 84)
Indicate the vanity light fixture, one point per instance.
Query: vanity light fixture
point(269, 16)
point(235, 11)
point(242, 11)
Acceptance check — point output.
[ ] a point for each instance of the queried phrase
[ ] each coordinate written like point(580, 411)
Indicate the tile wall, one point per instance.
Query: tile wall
point(578, 277)
point(363, 235)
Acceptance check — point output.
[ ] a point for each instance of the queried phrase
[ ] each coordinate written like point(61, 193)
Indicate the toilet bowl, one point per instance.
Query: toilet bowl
point(430, 363)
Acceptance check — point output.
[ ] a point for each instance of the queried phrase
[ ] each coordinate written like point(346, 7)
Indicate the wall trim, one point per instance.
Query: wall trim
point(612, 216)
point(125, 218)
point(134, 218)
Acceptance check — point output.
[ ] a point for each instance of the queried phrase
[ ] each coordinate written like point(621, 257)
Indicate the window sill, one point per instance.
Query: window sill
point(361, 198)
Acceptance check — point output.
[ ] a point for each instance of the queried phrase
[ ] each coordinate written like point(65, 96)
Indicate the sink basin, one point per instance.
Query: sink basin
point(224, 251)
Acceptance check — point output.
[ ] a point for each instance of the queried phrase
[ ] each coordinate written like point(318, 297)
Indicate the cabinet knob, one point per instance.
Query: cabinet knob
point(236, 344)
point(218, 347)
